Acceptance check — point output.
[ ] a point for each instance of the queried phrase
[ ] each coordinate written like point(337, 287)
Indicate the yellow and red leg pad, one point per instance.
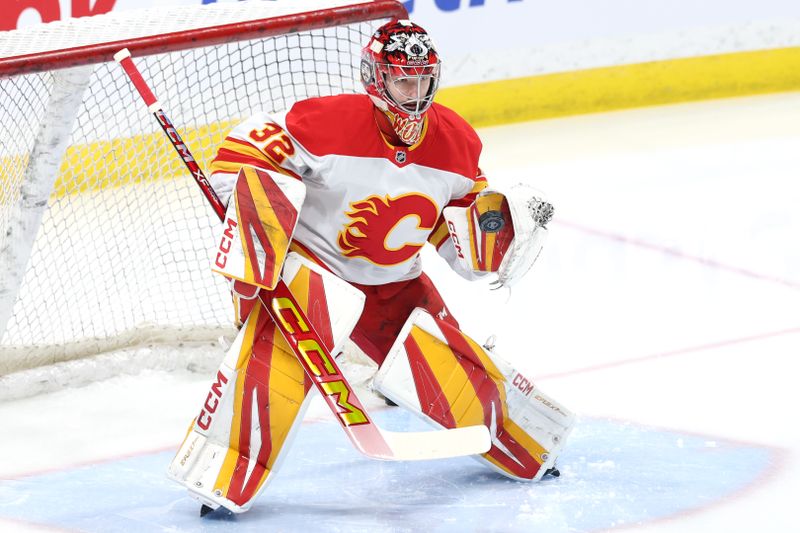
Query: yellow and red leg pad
point(257, 398)
point(437, 371)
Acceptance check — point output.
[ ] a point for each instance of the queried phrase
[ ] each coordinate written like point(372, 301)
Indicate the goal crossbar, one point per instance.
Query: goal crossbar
point(207, 35)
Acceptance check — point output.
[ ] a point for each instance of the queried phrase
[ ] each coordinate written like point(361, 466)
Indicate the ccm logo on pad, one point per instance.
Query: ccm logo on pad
point(522, 383)
point(212, 401)
point(454, 237)
point(225, 243)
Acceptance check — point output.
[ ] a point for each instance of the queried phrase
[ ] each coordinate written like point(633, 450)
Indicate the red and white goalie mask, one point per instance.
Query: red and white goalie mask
point(400, 71)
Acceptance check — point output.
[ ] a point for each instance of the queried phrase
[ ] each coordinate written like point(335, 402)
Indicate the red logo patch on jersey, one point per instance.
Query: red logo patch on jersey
point(375, 218)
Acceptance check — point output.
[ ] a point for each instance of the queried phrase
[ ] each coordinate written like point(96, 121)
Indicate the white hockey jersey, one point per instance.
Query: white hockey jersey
point(370, 206)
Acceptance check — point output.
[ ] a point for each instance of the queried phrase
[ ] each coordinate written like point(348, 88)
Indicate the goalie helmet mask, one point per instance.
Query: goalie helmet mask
point(400, 71)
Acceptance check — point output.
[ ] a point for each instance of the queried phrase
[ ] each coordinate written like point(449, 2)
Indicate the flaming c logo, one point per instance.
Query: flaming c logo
point(376, 217)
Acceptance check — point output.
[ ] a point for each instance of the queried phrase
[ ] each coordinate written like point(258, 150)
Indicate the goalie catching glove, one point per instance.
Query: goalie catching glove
point(500, 232)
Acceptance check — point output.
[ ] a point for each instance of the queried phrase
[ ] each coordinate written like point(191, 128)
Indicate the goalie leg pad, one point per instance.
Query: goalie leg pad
point(250, 414)
point(257, 400)
point(435, 370)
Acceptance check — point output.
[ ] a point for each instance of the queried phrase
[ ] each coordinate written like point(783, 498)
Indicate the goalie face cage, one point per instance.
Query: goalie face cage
point(104, 239)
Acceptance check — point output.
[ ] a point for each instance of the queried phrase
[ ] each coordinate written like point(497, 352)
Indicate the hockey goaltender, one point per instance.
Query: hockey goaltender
point(337, 196)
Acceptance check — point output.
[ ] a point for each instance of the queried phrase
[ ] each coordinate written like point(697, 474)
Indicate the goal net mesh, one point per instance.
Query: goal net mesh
point(122, 254)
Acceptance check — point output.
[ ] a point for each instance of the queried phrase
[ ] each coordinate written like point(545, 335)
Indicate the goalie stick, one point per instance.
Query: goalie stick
point(365, 435)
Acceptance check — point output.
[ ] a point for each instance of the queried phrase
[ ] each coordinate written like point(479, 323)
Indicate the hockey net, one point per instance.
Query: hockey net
point(104, 241)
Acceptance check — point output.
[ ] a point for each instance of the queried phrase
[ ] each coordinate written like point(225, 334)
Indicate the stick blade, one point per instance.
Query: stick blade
point(441, 444)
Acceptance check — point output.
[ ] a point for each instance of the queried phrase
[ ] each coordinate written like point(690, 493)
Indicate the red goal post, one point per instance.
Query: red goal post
point(103, 240)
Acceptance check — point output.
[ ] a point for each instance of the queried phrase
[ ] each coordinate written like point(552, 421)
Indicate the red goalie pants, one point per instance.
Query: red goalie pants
point(388, 307)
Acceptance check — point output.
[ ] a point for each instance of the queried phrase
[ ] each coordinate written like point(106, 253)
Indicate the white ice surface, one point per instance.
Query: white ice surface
point(667, 297)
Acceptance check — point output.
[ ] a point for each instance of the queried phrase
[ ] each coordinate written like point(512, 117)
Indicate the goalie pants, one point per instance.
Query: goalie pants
point(386, 309)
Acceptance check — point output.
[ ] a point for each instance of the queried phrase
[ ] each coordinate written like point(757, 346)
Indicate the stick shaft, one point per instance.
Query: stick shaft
point(334, 387)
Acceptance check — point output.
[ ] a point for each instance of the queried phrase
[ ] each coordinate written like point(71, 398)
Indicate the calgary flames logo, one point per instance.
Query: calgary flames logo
point(375, 218)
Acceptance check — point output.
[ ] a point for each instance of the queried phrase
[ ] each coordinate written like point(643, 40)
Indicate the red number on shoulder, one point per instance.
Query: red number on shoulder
point(270, 129)
point(278, 145)
point(279, 149)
